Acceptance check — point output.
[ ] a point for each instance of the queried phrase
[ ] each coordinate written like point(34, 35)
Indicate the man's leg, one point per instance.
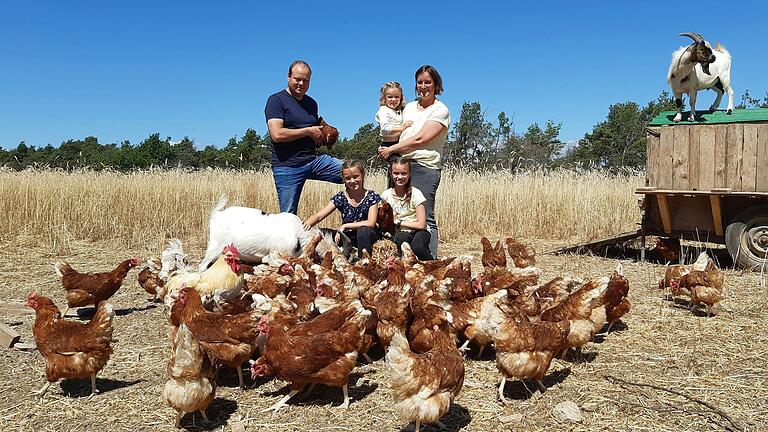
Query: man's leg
point(427, 181)
point(325, 168)
point(289, 182)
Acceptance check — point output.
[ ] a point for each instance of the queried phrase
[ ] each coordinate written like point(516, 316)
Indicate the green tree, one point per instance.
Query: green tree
point(620, 140)
point(471, 140)
point(540, 147)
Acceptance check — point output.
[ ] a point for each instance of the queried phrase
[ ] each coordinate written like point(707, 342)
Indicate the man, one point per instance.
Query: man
point(291, 119)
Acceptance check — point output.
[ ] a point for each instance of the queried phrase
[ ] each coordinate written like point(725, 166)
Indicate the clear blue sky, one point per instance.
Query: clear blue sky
point(124, 70)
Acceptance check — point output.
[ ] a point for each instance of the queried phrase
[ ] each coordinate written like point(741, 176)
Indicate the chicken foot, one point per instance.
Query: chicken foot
point(41, 393)
point(282, 402)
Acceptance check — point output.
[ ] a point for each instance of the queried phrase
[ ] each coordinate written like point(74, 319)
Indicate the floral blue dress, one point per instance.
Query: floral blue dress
point(350, 213)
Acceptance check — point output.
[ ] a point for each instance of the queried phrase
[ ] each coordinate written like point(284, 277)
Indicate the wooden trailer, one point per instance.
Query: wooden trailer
point(706, 180)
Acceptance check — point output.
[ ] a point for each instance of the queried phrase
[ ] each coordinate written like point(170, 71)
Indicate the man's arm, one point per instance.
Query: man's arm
point(282, 134)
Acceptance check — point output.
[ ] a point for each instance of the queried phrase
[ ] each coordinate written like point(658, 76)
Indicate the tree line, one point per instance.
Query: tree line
point(474, 142)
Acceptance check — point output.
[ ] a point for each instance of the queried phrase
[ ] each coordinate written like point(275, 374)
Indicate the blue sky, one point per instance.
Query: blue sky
point(124, 70)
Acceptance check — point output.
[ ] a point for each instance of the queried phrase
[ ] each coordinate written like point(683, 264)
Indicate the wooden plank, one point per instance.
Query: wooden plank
point(597, 243)
point(681, 155)
point(717, 214)
point(720, 155)
point(666, 147)
point(762, 158)
point(749, 164)
point(706, 171)
point(652, 159)
point(664, 211)
point(734, 155)
point(8, 336)
point(20, 308)
point(694, 157)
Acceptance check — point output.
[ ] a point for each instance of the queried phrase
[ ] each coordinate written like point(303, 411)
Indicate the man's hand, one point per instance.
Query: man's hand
point(316, 133)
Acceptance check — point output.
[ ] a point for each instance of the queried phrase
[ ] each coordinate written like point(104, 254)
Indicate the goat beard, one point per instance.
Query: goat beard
point(705, 68)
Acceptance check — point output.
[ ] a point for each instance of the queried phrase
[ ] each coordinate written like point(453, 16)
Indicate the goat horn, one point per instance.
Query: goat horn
point(695, 36)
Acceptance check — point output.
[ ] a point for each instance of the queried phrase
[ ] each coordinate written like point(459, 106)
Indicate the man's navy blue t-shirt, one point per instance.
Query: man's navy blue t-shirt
point(295, 115)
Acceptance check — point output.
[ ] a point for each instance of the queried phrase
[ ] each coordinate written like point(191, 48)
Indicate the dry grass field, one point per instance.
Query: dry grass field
point(690, 372)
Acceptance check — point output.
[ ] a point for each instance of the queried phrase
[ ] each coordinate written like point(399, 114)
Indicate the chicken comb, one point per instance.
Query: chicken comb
point(232, 249)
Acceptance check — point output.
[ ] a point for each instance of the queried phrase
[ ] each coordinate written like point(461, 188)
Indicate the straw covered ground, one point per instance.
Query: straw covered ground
point(663, 369)
point(708, 373)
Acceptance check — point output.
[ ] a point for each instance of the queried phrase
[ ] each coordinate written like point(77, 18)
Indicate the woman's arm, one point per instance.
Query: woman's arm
point(421, 219)
point(373, 213)
point(428, 132)
point(319, 216)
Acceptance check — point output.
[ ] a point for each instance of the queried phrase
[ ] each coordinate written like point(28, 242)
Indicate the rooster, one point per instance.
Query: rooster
point(223, 279)
point(320, 351)
point(71, 349)
point(85, 289)
point(424, 385)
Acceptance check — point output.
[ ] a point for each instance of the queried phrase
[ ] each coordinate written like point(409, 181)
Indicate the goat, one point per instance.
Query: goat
point(697, 67)
point(255, 233)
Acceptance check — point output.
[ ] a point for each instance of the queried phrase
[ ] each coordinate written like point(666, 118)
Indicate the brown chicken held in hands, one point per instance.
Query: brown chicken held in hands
point(71, 349)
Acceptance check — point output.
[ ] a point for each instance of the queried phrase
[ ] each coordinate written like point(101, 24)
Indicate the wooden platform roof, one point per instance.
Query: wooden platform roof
point(710, 117)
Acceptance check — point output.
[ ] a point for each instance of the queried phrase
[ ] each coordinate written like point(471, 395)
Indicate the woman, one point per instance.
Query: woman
point(423, 142)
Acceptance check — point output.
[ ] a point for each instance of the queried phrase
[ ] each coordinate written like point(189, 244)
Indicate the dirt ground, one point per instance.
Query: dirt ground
point(681, 370)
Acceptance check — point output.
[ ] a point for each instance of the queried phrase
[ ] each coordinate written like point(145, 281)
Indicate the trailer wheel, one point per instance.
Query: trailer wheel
point(746, 238)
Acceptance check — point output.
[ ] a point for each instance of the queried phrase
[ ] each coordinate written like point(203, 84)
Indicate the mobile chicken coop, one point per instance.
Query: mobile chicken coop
point(706, 180)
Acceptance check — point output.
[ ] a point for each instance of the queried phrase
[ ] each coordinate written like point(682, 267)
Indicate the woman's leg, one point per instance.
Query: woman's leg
point(420, 245)
point(366, 237)
point(427, 181)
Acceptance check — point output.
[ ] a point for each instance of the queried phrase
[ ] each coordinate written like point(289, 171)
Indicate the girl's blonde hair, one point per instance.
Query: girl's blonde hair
point(353, 163)
point(391, 85)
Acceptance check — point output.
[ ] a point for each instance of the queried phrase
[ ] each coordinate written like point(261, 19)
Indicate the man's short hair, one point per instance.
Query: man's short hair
point(299, 62)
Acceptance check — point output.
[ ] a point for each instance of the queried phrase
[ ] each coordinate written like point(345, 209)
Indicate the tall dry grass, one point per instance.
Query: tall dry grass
point(57, 206)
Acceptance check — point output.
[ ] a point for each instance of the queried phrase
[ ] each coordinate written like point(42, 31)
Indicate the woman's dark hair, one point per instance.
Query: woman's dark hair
point(435, 77)
point(399, 160)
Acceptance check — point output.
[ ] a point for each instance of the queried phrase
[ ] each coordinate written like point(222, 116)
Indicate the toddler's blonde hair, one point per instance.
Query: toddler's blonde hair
point(391, 85)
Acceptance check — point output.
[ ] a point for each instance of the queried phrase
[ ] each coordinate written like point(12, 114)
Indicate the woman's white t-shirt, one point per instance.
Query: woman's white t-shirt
point(430, 155)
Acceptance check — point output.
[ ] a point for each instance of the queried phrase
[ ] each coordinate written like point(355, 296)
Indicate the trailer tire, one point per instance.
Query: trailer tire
point(746, 238)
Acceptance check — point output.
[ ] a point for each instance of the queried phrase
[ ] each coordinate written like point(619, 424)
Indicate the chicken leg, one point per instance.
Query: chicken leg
point(205, 417)
point(345, 389)
point(282, 402)
point(93, 386)
point(179, 415)
point(501, 391)
point(240, 377)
